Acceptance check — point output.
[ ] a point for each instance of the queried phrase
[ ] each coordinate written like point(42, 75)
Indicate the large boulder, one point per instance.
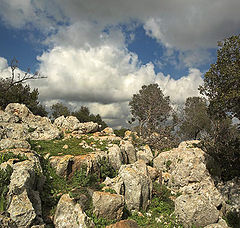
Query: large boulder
point(129, 152)
point(115, 156)
point(88, 127)
point(145, 154)
point(24, 203)
point(13, 143)
point(195, 210)
point(70, 214)
point(107, 205)
point(124, 224)
point(18, 122)
point(6, 221)
point(138, 185)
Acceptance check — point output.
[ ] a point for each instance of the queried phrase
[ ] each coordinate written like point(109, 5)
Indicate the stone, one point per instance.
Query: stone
point(6, 221)
point(62, 164)
point(221, 224)
point(65, 147)
point(138, 185)
point(19, 110)
point(115, 156)
point(115, 183)
point(13, 143)
point(107, 205)
point(108, 131)
point(70, 214)
point(129, 152)
point(145, 154)
point(88, 127)
point(195, 210)
point(153, 173)
point(124, 224)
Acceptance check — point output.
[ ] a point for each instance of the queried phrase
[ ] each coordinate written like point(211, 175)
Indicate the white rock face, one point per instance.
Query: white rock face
point(115, 156)
point(18, 123)
point(138, 185)
point(129, 152)
point(195, 209)
point(13, 143)
point(145, 154)
point(70, 214)
point(185, 169)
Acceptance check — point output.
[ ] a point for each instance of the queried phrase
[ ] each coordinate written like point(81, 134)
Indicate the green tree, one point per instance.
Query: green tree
point(59, 109)
point(19, 93)
point(222, 81)
point(84, 115)
point(195, 120)
point(151, 108)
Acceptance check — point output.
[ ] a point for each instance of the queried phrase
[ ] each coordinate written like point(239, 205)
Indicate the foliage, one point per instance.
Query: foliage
point(83, 115)
point(19, 93)
point(233, 219)
point(195, 119)
point(150, 108)
point(110, 190)
point(160, 212)
point(59, 109)
point(222, 81)
point(120, 132)
point(106, 170)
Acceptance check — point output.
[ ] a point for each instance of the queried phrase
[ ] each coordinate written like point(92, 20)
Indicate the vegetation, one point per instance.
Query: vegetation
point(120, 132)
point(222, 81)
point(160, 212)
point(59, 109)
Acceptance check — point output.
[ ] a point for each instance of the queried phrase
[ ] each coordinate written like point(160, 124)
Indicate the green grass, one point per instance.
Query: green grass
point(55, 147)
point(160, 212)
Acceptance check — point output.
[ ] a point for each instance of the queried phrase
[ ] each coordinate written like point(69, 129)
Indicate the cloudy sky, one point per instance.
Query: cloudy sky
point(99, 53)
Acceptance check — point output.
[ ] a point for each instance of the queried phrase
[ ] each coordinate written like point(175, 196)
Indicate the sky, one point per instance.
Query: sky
point(98, 53)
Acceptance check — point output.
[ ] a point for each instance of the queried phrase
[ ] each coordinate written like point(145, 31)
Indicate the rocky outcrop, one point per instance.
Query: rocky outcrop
point(145, 154)
point(70, 214)
point(13, 143)
point(18, 123)
point(107, 205)
point(138, 185)
point(6, 221)
point(24, 203)
point(71, 123)
point(115, 156)
point(184, 169)
point(129, 152)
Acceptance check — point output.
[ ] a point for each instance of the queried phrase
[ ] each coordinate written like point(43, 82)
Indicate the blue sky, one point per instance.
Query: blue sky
point(100, 54)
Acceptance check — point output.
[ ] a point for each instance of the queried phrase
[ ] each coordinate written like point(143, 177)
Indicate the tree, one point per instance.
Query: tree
point(83, 115)
point(18, 78)
point(222, 81)
point(19, 93)
point(59, 109)
point(151, 108)
point(195, 119)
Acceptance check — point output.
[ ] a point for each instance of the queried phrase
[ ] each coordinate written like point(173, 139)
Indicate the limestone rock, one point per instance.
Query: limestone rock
point(153, 173)
point(138, 185)
point(145, 154)
point(129, 152)
point(108, 131)
point(221, 224)
point(12, 143)
point(124, 224)
point(115, 156)
point(195, 210)
point(88, 127)
point(70, 214)
point(19, 110)
point(62, 164)
point(6, 222)
point(107, 205)
point(115, 183)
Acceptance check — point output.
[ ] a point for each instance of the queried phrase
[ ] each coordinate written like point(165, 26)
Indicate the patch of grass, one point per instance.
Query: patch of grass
point(110, 190)
point(233, 219)
point(55, 147)
point(160, 212)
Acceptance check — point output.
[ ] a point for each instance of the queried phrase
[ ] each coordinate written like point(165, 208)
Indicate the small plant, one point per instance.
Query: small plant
point(106, 170)
point(168, 164)
point(110, 190)
point(31, 129)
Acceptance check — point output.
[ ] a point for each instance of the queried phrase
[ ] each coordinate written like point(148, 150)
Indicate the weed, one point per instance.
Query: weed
point(169, 162)
point(110, 190)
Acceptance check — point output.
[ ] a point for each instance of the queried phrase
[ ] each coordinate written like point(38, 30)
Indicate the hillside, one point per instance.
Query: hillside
point(69, 174)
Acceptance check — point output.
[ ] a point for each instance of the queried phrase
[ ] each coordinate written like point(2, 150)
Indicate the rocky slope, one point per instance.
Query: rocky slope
point(67, 174)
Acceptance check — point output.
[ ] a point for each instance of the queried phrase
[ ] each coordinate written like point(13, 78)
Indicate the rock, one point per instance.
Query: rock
point(24, 203)
point(115, 156)
point(124, 224)
point(195, 210)
point(6, 222)
point(88, 127)
point(59, 121)
point(19, 110)
point(145, 154)
point(138, 185)
point(130, 135)
point(70, 214)
point(115, 183)
point(221, 224)
point(62, 164)
point(107, 205)
point(129, 153)
point(108, 131)
point(153, 173)
point(12, 143)
point(65, 147)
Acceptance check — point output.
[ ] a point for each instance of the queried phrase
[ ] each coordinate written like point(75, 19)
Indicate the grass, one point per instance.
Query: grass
point(160, 212)
point(55, 147)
